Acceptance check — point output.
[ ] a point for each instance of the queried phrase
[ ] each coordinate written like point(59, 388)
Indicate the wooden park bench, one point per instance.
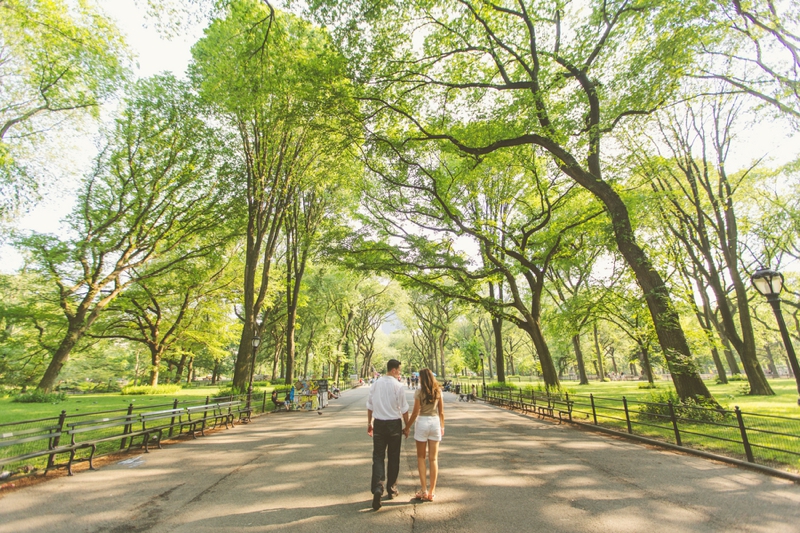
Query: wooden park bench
point(235, 409)
point(79, 434)
point(156, 422)
point(50, 434)
point(201, 416)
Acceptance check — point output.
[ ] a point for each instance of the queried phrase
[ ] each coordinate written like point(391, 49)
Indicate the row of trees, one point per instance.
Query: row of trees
point(535, 177)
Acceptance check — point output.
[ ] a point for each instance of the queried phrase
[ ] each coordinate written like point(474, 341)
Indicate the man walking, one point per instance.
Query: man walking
point(386, 404)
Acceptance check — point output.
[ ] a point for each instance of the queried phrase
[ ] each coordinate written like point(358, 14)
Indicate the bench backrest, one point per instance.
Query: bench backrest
point(11, 438)
point(160, 415)
point(96, 424)
point(201, 408)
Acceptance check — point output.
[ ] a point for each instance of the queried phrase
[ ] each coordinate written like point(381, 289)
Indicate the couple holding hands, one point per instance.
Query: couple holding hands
point(386, 406)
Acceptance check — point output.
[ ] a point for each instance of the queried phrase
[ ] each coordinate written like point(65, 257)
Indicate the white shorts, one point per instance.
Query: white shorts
point(427, 428)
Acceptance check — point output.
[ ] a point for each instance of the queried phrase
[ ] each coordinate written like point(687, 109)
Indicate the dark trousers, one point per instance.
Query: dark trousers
point(385, 434)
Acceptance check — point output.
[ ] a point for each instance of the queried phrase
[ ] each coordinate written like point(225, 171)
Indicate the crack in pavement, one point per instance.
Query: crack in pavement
point(220, 480)
point(153, 510)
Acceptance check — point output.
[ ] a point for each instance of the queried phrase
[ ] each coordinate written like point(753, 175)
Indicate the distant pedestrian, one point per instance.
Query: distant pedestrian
point(428, 414)
point(387, 404)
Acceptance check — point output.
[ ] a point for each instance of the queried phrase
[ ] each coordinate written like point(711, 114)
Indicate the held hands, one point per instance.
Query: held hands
point(406, 431)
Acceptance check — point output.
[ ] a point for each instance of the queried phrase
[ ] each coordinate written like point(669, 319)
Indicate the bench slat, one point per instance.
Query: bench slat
point(10, 434)
point(47, 436)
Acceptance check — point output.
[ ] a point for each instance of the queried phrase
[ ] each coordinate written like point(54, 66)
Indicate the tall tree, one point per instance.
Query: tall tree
point(272, 78)
point(314, 212)
point(158, 312)
point(486, 76)
point(431, 318)
point(699, 196)
point(153, 187)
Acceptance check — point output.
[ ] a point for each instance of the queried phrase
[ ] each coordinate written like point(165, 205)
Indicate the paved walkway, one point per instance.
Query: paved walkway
point(500, 471)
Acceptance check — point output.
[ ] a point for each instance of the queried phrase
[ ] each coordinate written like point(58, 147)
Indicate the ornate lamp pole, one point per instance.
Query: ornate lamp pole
point(254, 342)
point(483, 377)
point(770, 283)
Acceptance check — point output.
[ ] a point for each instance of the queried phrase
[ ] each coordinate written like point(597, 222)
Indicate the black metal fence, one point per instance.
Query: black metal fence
point(767, 440)
point(57, 426)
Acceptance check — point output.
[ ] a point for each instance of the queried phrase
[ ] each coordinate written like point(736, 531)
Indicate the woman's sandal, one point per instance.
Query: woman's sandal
point(421, 495)
point(429, 497)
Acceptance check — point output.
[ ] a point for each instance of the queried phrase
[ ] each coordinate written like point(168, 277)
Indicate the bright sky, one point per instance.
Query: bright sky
point(154, 55)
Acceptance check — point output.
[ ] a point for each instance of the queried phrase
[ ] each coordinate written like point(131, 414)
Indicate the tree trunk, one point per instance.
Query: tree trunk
point(136, 371)
point(644, 360)
point(275, 357)
point(666, 320)
point(788, 365)
point(771, 362)
point(718, 364)
point(179, 369)
point(545, 359)
point(244, 356)
point(576, 343)
point(703, 318)
point(156, 354)
point(442, 342)
point(726, 345)
point(601, 374)
point(291, 322)
point(613, 360)
point(190, 371)
point(745, 345)
point(497, 328)
point(491, 366)
point(48, 381)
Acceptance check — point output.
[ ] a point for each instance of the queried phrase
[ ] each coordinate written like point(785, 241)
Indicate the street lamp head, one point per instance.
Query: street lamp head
point(767, 281)
point(481, 356)
point(255, 341)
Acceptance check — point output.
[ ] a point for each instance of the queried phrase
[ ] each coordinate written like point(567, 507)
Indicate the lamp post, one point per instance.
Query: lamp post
point(254, 342)
point(483, 377)
point(770, 283)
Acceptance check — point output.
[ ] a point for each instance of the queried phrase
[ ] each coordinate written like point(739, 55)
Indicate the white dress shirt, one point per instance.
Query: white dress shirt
point(387, 399)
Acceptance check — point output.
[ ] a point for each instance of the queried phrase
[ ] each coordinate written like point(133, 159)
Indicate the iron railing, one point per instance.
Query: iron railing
point(767, 440)
point(60, 423)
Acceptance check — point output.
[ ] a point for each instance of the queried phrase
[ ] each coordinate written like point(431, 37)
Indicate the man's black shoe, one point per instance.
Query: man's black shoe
point(393, 493)
point(376, 497)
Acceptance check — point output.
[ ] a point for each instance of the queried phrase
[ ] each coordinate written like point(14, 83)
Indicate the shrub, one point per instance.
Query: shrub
point(233, 391)
point(737, 377)
point(647, 385)
point(38, 396)
point(147, 389)
point(495, 385)
point(655, 407)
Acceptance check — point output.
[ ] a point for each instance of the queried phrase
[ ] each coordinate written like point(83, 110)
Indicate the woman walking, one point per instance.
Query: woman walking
point(428, 433)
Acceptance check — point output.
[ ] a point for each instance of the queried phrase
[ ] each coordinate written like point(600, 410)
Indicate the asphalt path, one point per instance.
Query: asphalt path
point(499, 471)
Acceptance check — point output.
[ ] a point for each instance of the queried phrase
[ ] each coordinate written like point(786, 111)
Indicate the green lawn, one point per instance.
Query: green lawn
point(92, 403)
point(774, 441)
